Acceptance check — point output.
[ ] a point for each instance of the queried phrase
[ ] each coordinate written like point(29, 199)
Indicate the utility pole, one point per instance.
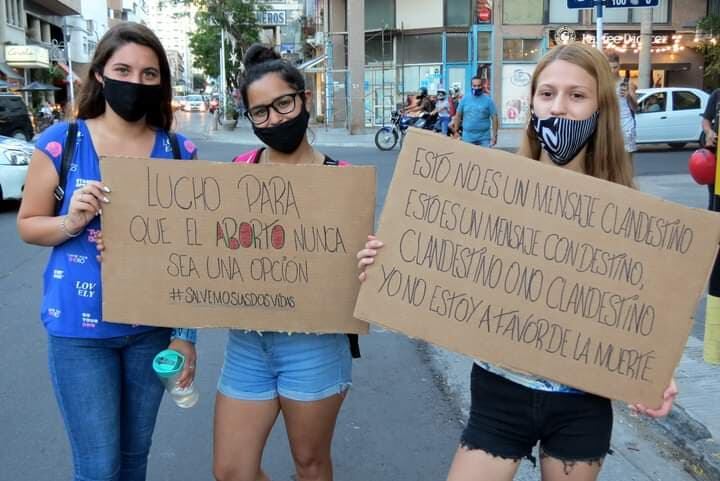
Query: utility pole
point(356, 63)
point(644, 61)
point(71, 86)
point(599, 24)
point(222, 70)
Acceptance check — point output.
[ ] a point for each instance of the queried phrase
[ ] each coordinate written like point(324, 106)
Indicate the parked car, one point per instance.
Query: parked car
point(14, 159)
point(194, 103)
point(177, 103)
point(15, 118)
point(670, 115)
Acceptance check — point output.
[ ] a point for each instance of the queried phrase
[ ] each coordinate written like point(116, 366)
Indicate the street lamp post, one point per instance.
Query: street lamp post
point(222, 71)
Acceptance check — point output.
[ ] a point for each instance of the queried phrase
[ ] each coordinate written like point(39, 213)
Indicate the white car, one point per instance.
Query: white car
point(670, 115)
point(14, 159)
point(194, 103)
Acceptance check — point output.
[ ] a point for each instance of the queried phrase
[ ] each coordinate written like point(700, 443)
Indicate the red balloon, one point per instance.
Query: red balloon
point(702, 166)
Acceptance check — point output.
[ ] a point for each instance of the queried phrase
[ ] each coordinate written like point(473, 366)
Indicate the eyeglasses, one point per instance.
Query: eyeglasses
point(282, 105)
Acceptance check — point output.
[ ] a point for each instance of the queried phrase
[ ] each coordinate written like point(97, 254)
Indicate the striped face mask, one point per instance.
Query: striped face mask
point(563, 138)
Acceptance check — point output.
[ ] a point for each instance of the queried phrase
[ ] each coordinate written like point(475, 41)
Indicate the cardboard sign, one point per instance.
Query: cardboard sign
point(537, 268)
point(204, 244)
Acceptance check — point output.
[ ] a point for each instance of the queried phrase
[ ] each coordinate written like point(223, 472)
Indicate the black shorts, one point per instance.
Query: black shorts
point(507, 419)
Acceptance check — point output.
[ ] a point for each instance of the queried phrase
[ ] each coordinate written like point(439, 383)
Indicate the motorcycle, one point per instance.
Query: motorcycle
point(387, 137)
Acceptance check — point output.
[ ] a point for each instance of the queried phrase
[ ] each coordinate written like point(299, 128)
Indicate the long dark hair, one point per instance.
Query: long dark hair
point(91, 101)
point(261, 60)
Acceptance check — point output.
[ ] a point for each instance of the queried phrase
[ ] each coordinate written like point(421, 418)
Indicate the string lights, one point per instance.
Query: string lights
point(663, 43)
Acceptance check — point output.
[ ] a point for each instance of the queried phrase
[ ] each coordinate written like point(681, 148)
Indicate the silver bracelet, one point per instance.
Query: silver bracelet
point(65, 230)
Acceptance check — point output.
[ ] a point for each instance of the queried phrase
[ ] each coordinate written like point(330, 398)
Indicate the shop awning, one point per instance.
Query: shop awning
point(308, 66)
point(9, 73)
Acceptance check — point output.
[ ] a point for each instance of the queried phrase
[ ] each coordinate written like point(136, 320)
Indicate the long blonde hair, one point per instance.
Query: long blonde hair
point(605, 157)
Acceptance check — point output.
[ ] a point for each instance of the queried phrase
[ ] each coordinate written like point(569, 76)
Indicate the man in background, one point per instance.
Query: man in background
point(477, 116)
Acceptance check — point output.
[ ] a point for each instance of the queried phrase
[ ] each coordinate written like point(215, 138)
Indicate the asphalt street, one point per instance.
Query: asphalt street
point(400, 422)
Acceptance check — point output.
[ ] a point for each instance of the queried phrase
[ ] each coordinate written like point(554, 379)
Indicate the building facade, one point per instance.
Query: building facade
point(173, 24)
point(30, 32)
point(127, 11)
point(444, 43)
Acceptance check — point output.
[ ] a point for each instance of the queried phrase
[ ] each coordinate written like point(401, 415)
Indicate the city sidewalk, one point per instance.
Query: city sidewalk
point(508, 139)
point(693, 426)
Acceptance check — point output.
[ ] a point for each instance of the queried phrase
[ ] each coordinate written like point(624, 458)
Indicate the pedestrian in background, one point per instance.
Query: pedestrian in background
point(102, 372)
point(708, 138)
point(627, 104)
point(442, 110)
point(304, 376)
point(575, 124)
point(477, 117)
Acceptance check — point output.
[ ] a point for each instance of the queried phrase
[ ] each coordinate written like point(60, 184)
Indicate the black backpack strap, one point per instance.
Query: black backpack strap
point(175, 144)
point(67, 155)
point(354, 345)
point(352, 338)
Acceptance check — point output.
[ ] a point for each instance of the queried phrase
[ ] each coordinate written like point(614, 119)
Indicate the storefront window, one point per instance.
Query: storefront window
point(377, 50)
point(521, 49)
point(523, 12)
point(559, 13)
point(421, 48)
point(484, 47)
point(379, 14)
point(515, 107)
point(457, 47)
point(659, 13)
point(457, 12)
point(428, 76)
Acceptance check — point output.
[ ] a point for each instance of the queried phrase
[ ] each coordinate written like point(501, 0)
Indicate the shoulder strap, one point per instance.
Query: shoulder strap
point(175, 145)
point(67, 155)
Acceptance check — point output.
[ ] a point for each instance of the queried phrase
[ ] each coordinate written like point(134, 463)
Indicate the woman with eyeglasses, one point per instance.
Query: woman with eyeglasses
point(304, 376)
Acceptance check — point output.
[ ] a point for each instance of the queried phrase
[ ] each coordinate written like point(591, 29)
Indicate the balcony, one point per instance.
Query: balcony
point(61, 7)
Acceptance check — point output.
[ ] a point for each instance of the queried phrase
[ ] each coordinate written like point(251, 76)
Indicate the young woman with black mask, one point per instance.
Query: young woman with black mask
point(304, 376)
point(102, 372)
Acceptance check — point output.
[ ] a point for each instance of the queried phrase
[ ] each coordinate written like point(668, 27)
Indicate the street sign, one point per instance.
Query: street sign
point(272, 17)
point(613, 3)
point(631, 3)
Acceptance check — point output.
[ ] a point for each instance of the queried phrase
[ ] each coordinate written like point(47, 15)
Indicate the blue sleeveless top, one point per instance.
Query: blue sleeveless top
point(72, 298)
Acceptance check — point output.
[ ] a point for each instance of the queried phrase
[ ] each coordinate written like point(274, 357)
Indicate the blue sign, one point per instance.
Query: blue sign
point(613, 3)
point(631, 3)
point(272, 17)
point(581, 3)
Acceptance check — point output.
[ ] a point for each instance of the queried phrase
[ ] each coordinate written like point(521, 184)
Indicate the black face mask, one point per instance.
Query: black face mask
point(129, 100)
point(287, 136)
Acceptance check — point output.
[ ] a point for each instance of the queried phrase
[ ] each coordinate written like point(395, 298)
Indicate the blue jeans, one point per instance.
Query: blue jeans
point(481, 143)
point(442, 123)
point(109, 397)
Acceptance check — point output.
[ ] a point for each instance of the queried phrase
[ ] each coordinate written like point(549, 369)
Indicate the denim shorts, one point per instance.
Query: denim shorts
point(260, 366)
point(508, 419)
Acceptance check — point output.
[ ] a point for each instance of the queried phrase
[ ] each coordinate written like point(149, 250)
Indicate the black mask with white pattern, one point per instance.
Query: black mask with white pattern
point(563, 138)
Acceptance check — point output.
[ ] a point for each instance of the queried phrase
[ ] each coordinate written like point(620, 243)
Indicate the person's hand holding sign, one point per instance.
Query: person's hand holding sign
point(367, 255)
point(668, 398)
point(85, 203)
